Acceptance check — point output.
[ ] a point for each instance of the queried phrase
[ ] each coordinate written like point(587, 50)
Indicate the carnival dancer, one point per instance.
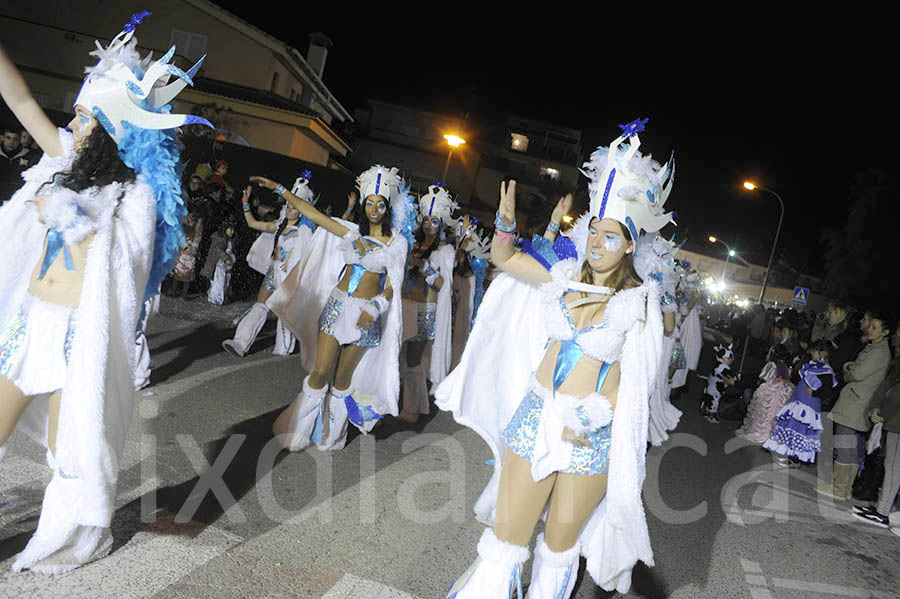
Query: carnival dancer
point(427, 302)
point(578, 337)
point(96, 228)
point(798, 426)
point(352, 275)
point(289, 236)
point(689, 331)
point(654, 259)
point(469, 276)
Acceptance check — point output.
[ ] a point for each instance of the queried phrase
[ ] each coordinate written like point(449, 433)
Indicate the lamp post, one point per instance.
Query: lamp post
point(731, 252)
point(751, 187)
point(454, 141)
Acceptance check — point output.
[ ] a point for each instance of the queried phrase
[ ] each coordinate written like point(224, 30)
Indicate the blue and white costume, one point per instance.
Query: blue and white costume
point(320, 416)
point(88, 354)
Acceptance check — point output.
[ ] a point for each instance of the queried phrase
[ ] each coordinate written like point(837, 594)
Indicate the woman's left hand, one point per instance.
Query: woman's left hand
point(563, 206)
point(365, 319)
point(569, 436)
point(263, 182)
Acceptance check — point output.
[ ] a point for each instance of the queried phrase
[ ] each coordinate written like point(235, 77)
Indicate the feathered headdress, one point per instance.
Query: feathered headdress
point(301, 188)
point(437, 202)
point(386, 182)
point(627, 186)
point(122, 88)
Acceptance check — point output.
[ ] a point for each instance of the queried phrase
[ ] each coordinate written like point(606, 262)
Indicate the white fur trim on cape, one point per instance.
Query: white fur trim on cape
point(97, 401)
point(443, 260)
point(299, 301)
point(260, 255)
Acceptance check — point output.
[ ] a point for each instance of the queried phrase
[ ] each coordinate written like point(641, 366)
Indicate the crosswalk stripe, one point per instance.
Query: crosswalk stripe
point(354, 587)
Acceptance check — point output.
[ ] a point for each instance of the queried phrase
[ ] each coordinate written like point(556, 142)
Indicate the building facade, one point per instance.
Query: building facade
point(267, 93)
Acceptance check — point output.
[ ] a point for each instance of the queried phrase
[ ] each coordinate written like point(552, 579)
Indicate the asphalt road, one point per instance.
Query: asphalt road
point(207, 506)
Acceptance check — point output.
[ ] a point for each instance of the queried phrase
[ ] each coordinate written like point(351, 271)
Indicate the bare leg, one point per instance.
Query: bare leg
point(327, 351)
point(263, 295)
point(520, 501)
point(12, 405)
point(347, 363)
point(574, 499)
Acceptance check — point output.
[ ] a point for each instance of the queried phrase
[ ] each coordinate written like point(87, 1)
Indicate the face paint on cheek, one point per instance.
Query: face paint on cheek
point(612, 243)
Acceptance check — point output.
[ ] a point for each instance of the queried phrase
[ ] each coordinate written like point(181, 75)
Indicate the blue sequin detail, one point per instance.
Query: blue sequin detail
point(634, 127)
point(651, 197)
point(197, 120)
point(136, 19)
point(305, 222)
point(678, 360)
point(104, 120)
point(11, 341)
point(360, 414)
point(548, 253)
point(609, 182)
point(424, 323)
point(165, 58)
point(134, 88)
point(269, 282)
point(369, 337)
point(631, 227)
point(521, 432)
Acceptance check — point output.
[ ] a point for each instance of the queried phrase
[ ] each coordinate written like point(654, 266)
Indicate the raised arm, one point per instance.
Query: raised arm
point(503, 254)
point(18, 97)
point(256, 225)
point(351, 204)
point(562, 208)
point(305, 208)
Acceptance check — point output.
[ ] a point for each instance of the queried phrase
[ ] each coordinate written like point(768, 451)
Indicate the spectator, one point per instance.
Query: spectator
point(185, 269)
point(218, 177)
point(195, 192)
point(14, 158)
point(886, 410)
point(851, 412)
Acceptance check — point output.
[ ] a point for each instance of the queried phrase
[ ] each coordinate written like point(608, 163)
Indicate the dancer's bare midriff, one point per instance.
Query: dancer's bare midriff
point(59, 284)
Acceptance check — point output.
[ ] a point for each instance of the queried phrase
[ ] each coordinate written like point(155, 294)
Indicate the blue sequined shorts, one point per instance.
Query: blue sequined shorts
point(678, 361)
point(424, 322)
point(36, 345)
point(521, 431)
point(269, 282)
point(369, 337)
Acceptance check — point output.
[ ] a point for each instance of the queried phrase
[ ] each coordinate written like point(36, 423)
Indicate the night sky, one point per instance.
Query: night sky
point(797, 107)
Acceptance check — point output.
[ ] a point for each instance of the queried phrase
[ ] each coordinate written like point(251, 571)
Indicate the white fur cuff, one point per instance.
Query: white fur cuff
point(345, 328)
point(492, 549)
point(582, 414)
point(563, 558)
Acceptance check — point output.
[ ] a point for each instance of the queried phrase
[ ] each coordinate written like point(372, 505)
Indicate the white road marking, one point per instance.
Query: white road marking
point(353, 587)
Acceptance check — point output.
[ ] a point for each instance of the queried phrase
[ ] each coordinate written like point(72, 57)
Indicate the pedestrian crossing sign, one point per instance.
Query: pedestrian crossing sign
point(801, 295)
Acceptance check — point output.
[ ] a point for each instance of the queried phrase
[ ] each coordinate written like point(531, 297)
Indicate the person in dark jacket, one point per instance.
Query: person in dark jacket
point(886, 404)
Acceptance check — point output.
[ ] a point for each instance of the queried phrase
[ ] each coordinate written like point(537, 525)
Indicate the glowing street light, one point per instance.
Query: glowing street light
point(749, 185)
point(567, 219)
point(454, 141)
point(731, 254)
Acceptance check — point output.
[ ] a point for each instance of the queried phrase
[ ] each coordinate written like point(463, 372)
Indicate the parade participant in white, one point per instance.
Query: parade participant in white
point(654, 259)
point(96, 228)
point(351, 274)
point(468, 284)
point(584, 357)
point(427, 302)
point(289, 237)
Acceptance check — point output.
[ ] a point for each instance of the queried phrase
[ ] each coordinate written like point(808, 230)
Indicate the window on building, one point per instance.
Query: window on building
point(519, 142)
point(553, 173)
point(190, 45)
point(274, 87)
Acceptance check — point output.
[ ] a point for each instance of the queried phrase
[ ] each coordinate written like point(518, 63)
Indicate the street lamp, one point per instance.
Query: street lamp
point(752, 187)
point(731, 253)
point(454, 141)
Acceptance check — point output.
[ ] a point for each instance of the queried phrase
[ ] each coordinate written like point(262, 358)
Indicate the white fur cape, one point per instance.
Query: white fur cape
point(98, 396)
point(299, 301)
point(441, 354)
point(465, 287)
point(509, 337)
point(259, 257)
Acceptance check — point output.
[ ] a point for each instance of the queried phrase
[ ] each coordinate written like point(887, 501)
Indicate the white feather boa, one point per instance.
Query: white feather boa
point(299, 301)
point(509, 336)
point(98, 396)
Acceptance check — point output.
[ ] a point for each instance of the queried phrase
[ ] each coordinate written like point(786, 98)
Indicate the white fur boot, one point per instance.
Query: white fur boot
point(334, 422)
point(247, 330)
point(496, 573)
point(284, 340)
point(415, 394)
point(142, 365)
point(553, 575)
point(296, 425)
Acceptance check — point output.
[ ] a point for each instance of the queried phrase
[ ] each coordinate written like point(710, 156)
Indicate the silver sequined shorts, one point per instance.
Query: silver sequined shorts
point(369, 337)
point(521, 431)
point(424, 321)
point(269, 282)
point(36, 345)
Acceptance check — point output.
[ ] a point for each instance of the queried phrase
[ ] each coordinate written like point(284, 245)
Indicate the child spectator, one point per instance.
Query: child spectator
point(772, 394)
point(798, 426)
point(222, 257)
point(186, 264)
point(721, 378)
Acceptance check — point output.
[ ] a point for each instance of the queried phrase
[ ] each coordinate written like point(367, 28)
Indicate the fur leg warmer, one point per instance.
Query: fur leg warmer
point(248, 329)
point(296, 425)
point(284, 340)
point(496, 572)
point(553, 574)
point(333, 434)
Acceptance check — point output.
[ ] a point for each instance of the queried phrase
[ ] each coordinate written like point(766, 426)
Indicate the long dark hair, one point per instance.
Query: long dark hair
point(363, 221)
point(420, 248)
point(97, 164)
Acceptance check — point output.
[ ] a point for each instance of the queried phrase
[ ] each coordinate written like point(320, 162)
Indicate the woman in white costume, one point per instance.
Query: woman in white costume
point(690, 333)
point(427, 303)
point(469, 278)
point(351, 275)
point(289, 236)
point(96, 228)
point(579, 338)
point(654, 259)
